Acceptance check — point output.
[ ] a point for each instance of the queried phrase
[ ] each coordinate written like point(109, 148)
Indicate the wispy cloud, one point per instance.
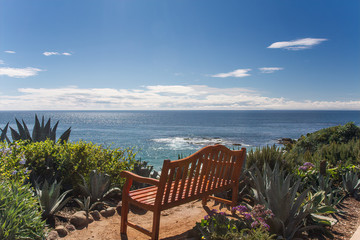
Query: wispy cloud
point(19, 72)
point(236, 73)
point(270, 69)
point(299, 44)
point(2, 61)
point(159, 97)
point(8, 51)
point(56, 53)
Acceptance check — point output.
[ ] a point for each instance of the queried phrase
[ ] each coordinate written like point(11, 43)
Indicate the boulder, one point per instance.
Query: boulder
point(61, 230)
point(70, 227)
point(110, 211)
point(79, 219)
point(96, 215)
point(53, 235)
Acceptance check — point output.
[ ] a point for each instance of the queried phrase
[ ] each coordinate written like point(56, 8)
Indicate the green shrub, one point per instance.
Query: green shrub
point(67, 161)
point(20, 216)
point(12, 162)
point(338, 134)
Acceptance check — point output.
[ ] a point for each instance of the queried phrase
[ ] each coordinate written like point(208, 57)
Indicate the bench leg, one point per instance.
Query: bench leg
point(204, 201)
point(124, 215)
point(156, 225)
point(235, 194)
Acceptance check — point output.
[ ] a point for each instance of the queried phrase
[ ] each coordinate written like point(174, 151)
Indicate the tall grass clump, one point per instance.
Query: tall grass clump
point(20, 216)
point(270, 155)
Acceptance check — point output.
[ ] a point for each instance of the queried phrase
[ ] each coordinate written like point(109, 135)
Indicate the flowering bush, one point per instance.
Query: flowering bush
point(245, 222)
point(12, 162)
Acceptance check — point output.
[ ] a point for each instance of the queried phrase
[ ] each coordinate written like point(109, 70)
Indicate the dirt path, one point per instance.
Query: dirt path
point(175, 223)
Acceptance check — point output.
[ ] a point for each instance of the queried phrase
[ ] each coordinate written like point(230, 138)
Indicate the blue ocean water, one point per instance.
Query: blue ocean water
point(159, 135)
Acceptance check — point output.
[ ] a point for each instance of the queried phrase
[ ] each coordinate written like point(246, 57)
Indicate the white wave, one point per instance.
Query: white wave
point(181, 143)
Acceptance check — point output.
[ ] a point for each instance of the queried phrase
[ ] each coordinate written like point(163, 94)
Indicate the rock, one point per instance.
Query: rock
point(285, 141)
point(96, 215)
point(118, 209)
point(79, 219)
point(110, 211)
point(70, 227)
point(53, 235)
point(61, 230)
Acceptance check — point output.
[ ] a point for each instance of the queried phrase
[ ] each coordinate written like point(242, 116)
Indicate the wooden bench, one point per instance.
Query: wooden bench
point(210, 170)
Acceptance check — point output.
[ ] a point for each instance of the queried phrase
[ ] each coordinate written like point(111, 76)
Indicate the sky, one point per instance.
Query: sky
point(179, 55)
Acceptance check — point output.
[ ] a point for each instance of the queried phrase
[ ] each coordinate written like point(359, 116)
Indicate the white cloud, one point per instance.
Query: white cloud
point(56, 53)
point(298, 44)
point(270, 69)
point(159, 97)
point(2, 61)
point(8, 51)
point(236, 73)
point(19, 72)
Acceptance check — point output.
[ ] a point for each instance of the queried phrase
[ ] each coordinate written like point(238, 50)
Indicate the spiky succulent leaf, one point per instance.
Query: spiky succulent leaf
point(36, 133)
point(14, 134)
point(27, 132)
point(21, 130)
point(65, 136)
point(53, 132)
point(3, 136)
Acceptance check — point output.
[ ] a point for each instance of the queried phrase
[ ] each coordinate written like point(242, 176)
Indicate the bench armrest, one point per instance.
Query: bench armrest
point(137, 178)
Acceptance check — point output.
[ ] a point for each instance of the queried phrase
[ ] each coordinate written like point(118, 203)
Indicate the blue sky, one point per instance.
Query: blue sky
point(179, 54)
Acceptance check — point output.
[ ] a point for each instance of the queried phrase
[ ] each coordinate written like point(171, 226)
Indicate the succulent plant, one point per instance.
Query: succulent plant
point(142, 168)
point(86, 205)
point(351, 183)
point(50, 199)
point(40, 132)
point(279, 193)
point(98, 187)
point(333, 195)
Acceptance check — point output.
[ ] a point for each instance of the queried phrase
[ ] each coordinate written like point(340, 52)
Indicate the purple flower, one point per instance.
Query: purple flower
point(241, 208)
point(265, 225)
point(22, 161)
point(309, 164)
point(14, 172)
point(222, 213)
point(207, 217)
point(6, 150)
point(303, 168)
point(254, 224)
point(247, 216)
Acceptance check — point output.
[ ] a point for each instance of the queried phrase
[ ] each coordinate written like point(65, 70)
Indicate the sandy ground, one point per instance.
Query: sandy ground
point(175, 223)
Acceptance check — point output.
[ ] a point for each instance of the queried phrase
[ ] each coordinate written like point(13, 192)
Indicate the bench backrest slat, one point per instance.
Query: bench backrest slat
point(210, 168)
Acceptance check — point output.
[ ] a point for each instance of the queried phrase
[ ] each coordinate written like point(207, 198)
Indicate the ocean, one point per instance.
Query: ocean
point(159, 135)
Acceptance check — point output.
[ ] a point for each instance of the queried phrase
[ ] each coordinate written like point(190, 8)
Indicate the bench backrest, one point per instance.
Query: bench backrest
point(210, 168)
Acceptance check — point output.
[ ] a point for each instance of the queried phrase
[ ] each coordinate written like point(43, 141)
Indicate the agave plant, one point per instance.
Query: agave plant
point(351, 183)
point(333, 195)
point(50, 199)
point(98, 188)
point(279, 193)
point(86, 205)
point(40, 132)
